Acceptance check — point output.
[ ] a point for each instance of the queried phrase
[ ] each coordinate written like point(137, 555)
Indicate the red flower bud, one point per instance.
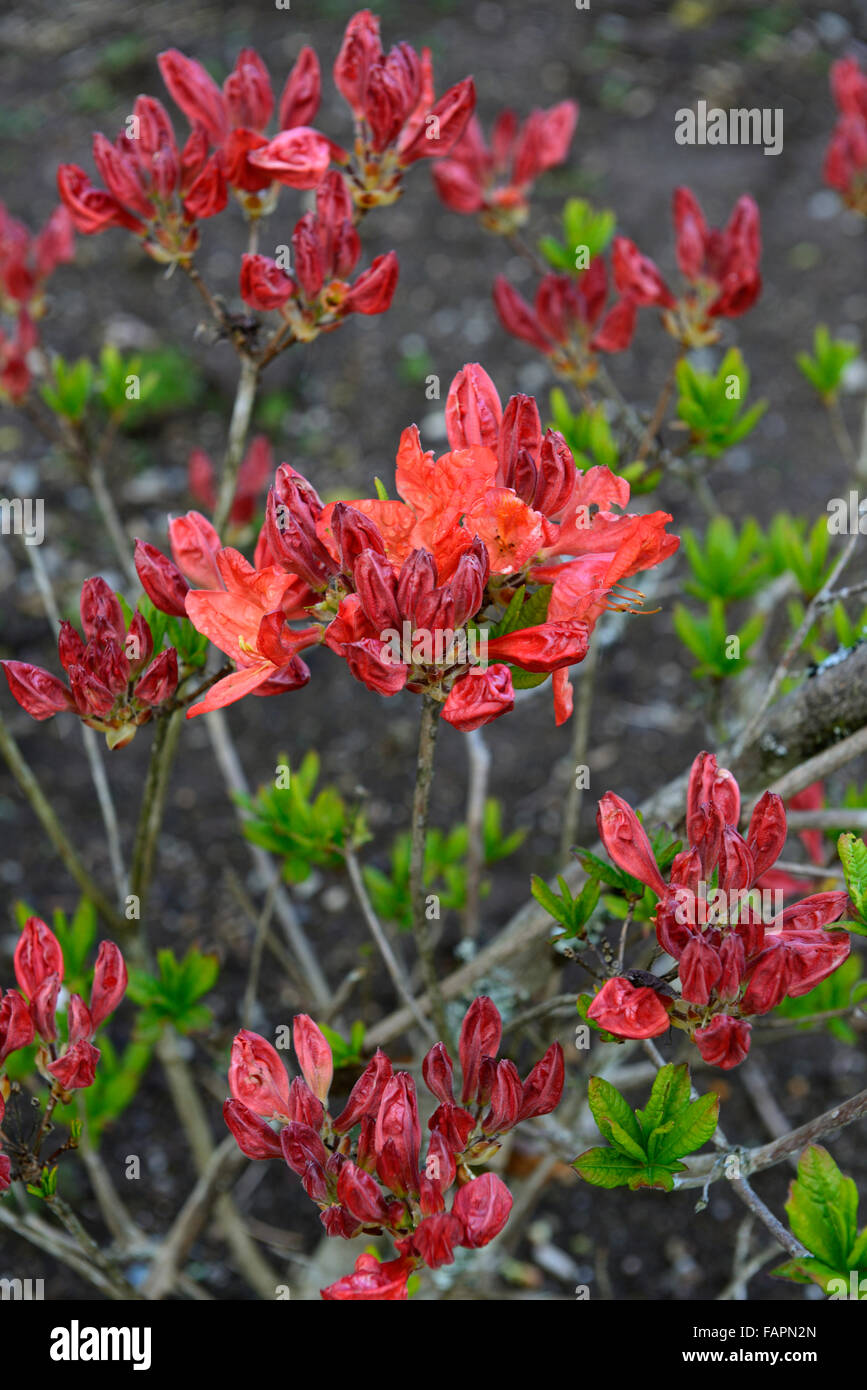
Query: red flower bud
point(544, 1086)
point(767, 833)
point(376, 586)
point(438, 1072)
point(300, 100)
point(473, 411)
point(372, 1281)
point(43, 1006)
point(314, 1055)
point(298, 158)
point(710, 785)
point(481, 1034)
point(209, 193)
point(418, 576)
point(454, 1124)
point(444, 124)
point(700, 969)
point(247, 90)
point(439, 1165)
point(624, 837)
point(374, 289)
point(361, 1195)
point(506, 1099)
point(398, 1134)
point(545, 647)
point(160, 680)
point(483, 1207)
point(637, 277)
point(336, 1219)
point(263, 284)
point(733, 962)
point(304, 1106)
point(76, 1069)
point(239, 171)
point(691, 233)
point(768, 978)
point(257, 1076)
point(517, 317)
point(812, 913)
point(16, 1024)
point(253, 1136)
point(736, 864)
point(359, 52)
point(37, 955)
point(724, 1042)
point(38, 692)
point(628, 1012)
point(91, 209)
point(307, 256)
point(301, 1146)
point(479, 697)
point(353, 533)
point(109, 983)
point(195, 92)
point(161, 580)
point(195, 545)
point(366, 1094)
point(80, 1023)
point(435, 1238)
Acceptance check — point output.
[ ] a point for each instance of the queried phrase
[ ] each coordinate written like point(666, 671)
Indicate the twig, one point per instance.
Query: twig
point(392, 964)
point(239, 426)
point(827, 818)
point(221, 1167)
point(659, 413)
point(580, 741)
point(250, 991)
point(121, 1286)
point(236, 785)
point(767, 1218)
point(705, 1169)
point(779, 675)
point(23, 775)
point(428, 727)
point(192, 1115)
point(479, 766)
point(166, 733)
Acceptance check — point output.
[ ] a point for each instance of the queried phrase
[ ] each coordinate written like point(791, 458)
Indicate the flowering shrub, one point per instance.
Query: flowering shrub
point(470, 577)
point(376, 1181)
point(732, 963)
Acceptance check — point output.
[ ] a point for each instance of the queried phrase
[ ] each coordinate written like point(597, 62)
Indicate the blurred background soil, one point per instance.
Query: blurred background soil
point(335, 410)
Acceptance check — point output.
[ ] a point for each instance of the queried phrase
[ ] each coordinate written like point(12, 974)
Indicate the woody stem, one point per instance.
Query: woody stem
point(659, 413)
point(23, 775)
point(420, 807)
point(168, 728)
point(239, 427)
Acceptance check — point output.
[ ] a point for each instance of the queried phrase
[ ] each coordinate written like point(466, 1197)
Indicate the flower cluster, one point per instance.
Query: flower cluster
point(375, 1181)
point(846, 156)
point(26, 262)
point(325, 250)
point(30, 1011)
point(568, 321)
point(495, 181)
point(732, 963)
point(397, 120)
point(721, 268)
point(406, 591)
point(114, 686)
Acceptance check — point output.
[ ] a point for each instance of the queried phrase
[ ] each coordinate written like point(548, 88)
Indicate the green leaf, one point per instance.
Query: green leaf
point(823, 1208)
point(607, 1167)
point(853, 856)
point(693, 1126)
point(668, 1096)
point(608, 1106)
